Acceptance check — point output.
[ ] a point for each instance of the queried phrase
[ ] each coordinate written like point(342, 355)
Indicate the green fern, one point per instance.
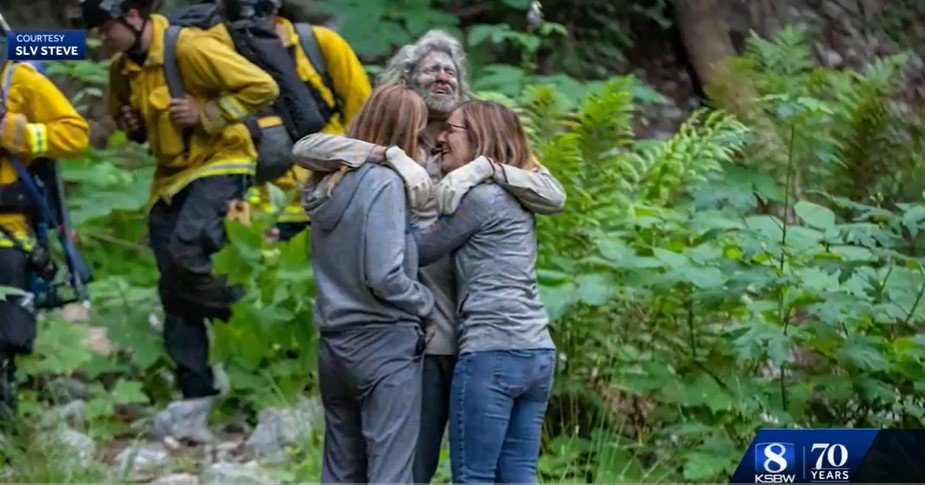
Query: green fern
point(706, 141)
point(543, 107)
point(787, 54)
point(847, 135)
point(606, 173)
point(872, 142)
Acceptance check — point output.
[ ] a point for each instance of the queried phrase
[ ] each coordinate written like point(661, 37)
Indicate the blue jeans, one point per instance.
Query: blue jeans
point(497, 405)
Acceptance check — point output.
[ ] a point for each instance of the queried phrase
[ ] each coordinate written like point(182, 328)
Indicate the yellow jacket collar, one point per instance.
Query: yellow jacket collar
point(155, 55)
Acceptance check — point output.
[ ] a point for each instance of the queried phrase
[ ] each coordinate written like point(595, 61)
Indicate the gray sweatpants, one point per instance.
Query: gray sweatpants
point(371, 389)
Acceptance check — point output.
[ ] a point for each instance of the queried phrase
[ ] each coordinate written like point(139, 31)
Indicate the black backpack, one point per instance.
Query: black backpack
point(296, 106)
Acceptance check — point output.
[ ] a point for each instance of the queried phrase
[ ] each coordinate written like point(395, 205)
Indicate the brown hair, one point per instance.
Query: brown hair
point(393, 115)
point(496, 133)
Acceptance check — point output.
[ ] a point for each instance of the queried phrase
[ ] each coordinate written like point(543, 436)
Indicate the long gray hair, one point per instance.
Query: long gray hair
point(401, 67)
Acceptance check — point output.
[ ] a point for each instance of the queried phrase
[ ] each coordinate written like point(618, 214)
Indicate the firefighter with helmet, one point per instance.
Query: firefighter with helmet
point(204, 162)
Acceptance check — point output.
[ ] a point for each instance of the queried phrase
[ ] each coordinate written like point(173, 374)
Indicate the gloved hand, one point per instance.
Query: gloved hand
point(456, 184)
point(13, 134)
point(418, 185)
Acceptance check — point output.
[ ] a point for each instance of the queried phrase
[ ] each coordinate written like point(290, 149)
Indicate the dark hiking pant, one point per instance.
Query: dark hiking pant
point(17, 326)
point(17, 312)
point(435, 392)
point(371, 389)
point(184, 235)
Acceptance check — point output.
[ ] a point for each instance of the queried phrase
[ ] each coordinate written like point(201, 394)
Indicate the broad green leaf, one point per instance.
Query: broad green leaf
point(715, 219)
point(642, 262)
point(500, 77)
point(861, 353)
point(815, 215)
point(803, 239)
point(818, 280)
point(478, 34)
point(769, 226)
point(552, 277)
point(779, 347)
point(914, 219)
point(671, 259)
point(853, 253)
point(418, 24)
point(705, 277)
point(874, 390)
point(704, 391)
point(595, 289)
point(128, 392)
point(557, 299)
point(706, 253)
point(615, 249)
point(705, 467)
point(60, 348)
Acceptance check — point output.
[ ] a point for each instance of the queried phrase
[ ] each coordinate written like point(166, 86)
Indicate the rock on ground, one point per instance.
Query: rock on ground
point(223, 473)
point(142, 462)
point(279, 428)
point(224, 452)
point(72, 413)
point(67, 389)
point(76, 445)
point(177, 479)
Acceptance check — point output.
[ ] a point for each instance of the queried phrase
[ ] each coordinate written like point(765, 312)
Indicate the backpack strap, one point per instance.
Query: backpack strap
point(7, 79)
point(309, 44)
point(172, 72)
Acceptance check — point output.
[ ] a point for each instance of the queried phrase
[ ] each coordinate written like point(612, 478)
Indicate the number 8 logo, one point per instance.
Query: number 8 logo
point(775, 454)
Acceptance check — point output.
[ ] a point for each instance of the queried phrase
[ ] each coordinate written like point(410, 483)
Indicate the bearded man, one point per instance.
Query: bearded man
point(435, 67)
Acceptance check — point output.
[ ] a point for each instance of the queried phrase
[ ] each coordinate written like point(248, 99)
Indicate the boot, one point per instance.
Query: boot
point(187, 419)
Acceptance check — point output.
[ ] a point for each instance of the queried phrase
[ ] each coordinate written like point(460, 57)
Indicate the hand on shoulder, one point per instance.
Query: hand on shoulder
point(418, 185)
point(451, 190)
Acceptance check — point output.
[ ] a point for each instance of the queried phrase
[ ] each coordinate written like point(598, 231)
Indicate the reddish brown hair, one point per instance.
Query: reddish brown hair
point(393, 115)
point(496, 133)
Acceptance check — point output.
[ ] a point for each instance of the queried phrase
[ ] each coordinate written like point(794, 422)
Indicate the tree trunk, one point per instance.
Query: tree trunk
point(709, 47)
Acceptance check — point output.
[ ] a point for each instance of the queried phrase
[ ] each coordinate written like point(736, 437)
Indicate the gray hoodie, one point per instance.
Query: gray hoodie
point(363, 254)
point(492, 239)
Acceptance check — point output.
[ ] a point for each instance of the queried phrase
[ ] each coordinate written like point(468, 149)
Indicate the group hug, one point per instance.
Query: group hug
point(419, 201)
point(423, 244)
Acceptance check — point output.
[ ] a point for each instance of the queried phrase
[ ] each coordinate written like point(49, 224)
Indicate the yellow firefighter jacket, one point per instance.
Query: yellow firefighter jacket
point(39, 122)
point(225, 83)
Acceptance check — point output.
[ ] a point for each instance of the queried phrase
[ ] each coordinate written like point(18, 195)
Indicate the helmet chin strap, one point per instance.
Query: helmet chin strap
point(136, 48)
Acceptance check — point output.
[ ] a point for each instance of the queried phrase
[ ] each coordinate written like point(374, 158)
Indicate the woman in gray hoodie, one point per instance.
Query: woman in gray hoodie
point(502, 380)
point(370, 306)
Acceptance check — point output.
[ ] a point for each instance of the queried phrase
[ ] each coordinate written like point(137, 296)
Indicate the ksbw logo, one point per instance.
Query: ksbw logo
point(775, 463)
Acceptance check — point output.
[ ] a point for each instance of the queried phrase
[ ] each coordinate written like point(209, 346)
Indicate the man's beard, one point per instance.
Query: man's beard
point(438, 103)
